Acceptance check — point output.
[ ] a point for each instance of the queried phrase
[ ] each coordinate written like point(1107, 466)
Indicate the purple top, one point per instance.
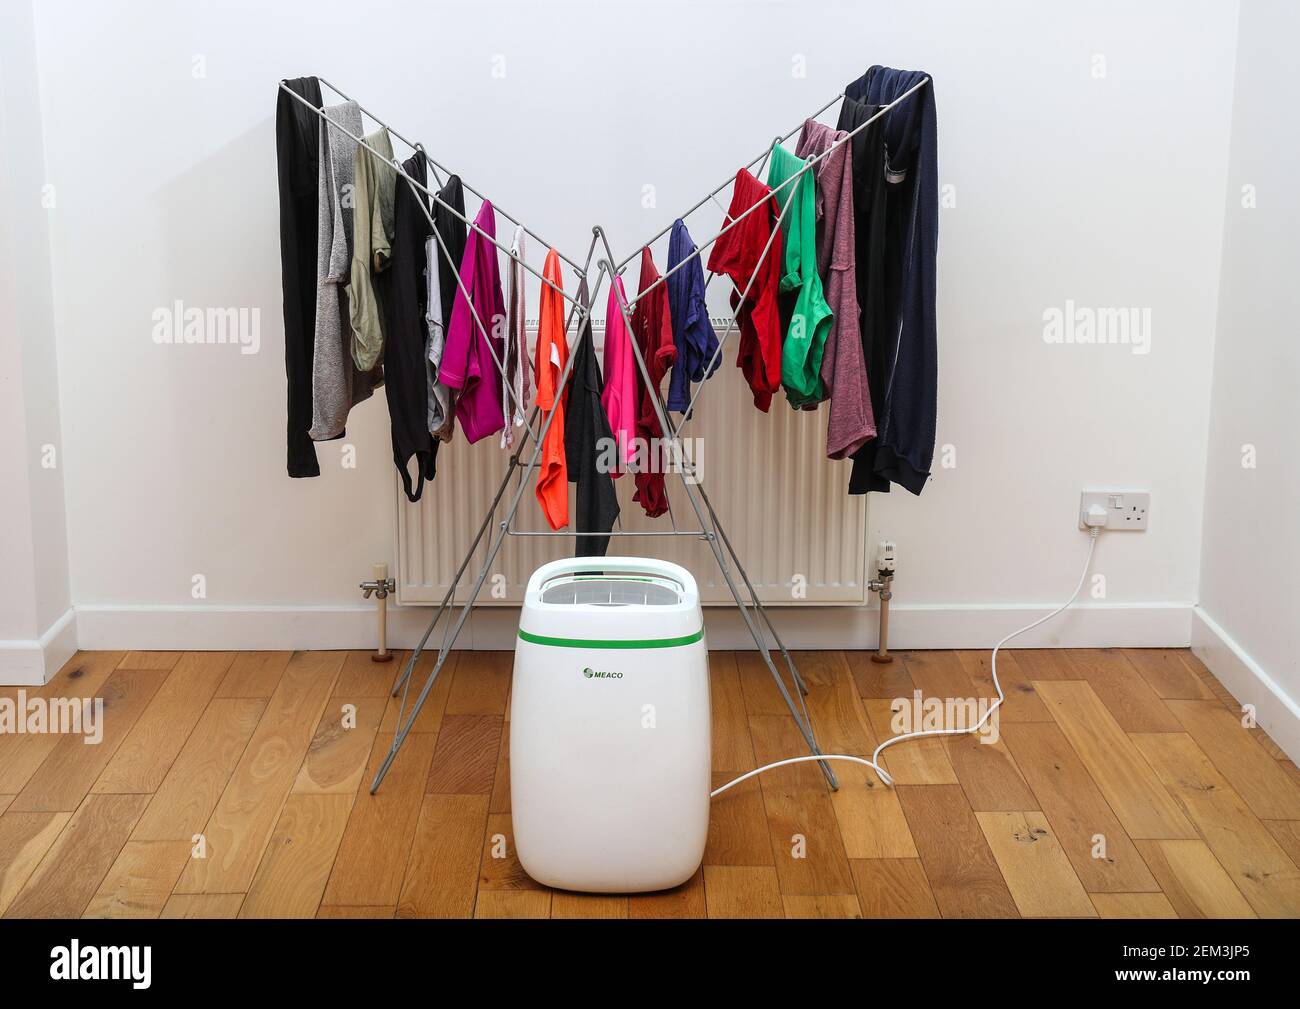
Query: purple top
point(467, 362)
point(843, 371)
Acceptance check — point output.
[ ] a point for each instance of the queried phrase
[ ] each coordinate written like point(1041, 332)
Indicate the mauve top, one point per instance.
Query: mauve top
point(467, 358)
point(843, 371)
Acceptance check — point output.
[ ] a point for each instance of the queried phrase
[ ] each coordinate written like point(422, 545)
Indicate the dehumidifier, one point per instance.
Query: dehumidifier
point(609, 726)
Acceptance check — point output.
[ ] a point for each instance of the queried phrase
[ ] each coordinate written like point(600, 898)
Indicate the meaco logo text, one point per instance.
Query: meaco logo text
point(75, 962)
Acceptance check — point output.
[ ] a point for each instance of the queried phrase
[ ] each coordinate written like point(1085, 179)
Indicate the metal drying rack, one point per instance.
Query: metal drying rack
point(710, 528)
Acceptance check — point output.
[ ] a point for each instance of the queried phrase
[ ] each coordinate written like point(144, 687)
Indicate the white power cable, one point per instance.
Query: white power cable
point(884, 776)
point(873, 763)
point(993, 665)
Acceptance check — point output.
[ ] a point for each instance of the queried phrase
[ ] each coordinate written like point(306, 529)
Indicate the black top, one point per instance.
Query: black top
point(904, 446)
point(297, 149)
point(454, 233)
point(406, 377)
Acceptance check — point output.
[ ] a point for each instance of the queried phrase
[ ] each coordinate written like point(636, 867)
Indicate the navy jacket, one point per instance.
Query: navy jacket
point(904, 447)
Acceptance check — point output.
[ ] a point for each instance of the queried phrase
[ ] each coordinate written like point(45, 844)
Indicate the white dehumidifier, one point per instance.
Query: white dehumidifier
point(609, 726)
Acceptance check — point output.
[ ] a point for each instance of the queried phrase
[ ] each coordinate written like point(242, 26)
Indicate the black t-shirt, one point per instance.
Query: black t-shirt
point(407, 380)
point(454, 234)
point(586, 428)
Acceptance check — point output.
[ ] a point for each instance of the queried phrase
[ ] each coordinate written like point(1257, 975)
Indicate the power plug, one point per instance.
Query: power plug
point(1117, 511)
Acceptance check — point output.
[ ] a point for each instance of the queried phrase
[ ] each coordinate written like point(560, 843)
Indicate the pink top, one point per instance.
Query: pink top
point(619, 397)
point(467, 361)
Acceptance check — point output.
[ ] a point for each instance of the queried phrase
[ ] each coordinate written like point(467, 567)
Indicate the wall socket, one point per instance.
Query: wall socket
point(1125, 509)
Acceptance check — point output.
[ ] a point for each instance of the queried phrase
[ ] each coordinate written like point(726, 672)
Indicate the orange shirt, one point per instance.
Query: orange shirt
point(552, 353)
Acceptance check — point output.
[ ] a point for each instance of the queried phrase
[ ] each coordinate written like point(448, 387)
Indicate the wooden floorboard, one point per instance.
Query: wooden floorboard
point(240, 826)
point(1111, 783)
point(72, 767)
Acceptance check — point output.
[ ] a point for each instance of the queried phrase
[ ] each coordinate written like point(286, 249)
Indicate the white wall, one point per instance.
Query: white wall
point(36, 629)
point(1104, 190)
point(1248, 629)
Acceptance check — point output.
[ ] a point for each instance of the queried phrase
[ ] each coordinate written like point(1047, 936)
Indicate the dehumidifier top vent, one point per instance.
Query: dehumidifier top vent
point(655, 599)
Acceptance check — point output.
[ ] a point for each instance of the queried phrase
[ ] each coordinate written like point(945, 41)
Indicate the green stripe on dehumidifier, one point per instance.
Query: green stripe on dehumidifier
point(542, 639)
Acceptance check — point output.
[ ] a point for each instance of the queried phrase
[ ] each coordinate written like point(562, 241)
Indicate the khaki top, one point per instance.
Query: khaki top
point(372, 235)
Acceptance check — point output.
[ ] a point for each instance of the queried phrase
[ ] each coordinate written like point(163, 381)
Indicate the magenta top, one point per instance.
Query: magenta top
point(467, 362)
point(619, 396)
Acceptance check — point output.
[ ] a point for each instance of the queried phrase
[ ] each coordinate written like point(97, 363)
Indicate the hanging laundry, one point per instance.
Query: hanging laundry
point(652, 326)
point(843, 372)
point(552, 353)
point(586, 428)
point(372, 237)
point(905, 443)
point(514, 380)
point(336, 384)
point(804, 306)
point(443, 260)
point(869, 233)
point(751, 250)
point(469, 362)
point(619, 395)
point(297, 150)
point(693, 333)
point(438, 418)
point(405, 348)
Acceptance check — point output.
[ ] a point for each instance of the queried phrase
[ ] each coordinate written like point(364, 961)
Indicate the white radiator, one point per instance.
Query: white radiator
point(783, 504)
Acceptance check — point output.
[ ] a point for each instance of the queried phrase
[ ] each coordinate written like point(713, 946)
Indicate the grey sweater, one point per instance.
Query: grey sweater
point(336, 384)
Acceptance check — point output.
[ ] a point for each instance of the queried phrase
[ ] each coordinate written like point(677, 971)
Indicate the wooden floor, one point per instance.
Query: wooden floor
point(1123, 785)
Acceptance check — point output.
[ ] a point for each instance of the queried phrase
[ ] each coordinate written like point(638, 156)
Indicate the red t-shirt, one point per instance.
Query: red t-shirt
point(736, 255)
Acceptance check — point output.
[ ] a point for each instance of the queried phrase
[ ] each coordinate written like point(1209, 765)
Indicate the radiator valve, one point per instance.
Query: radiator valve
point(380, 587)
point(883, 584)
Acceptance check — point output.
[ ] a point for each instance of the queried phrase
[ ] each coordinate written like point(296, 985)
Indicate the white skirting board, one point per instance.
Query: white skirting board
point(31, 663)
point(1275, 712)
point(1149, 625)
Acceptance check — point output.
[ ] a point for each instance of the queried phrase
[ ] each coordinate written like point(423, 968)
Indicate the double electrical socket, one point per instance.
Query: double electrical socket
point(1125, 509)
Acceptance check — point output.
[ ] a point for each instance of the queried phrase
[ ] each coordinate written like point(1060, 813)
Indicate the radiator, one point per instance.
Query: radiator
point(783, 504)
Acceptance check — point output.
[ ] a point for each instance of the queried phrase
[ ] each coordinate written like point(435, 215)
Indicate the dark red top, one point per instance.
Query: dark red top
point(652, 327)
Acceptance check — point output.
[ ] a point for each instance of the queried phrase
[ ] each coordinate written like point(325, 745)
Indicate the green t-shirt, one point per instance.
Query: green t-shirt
point(805, 339)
